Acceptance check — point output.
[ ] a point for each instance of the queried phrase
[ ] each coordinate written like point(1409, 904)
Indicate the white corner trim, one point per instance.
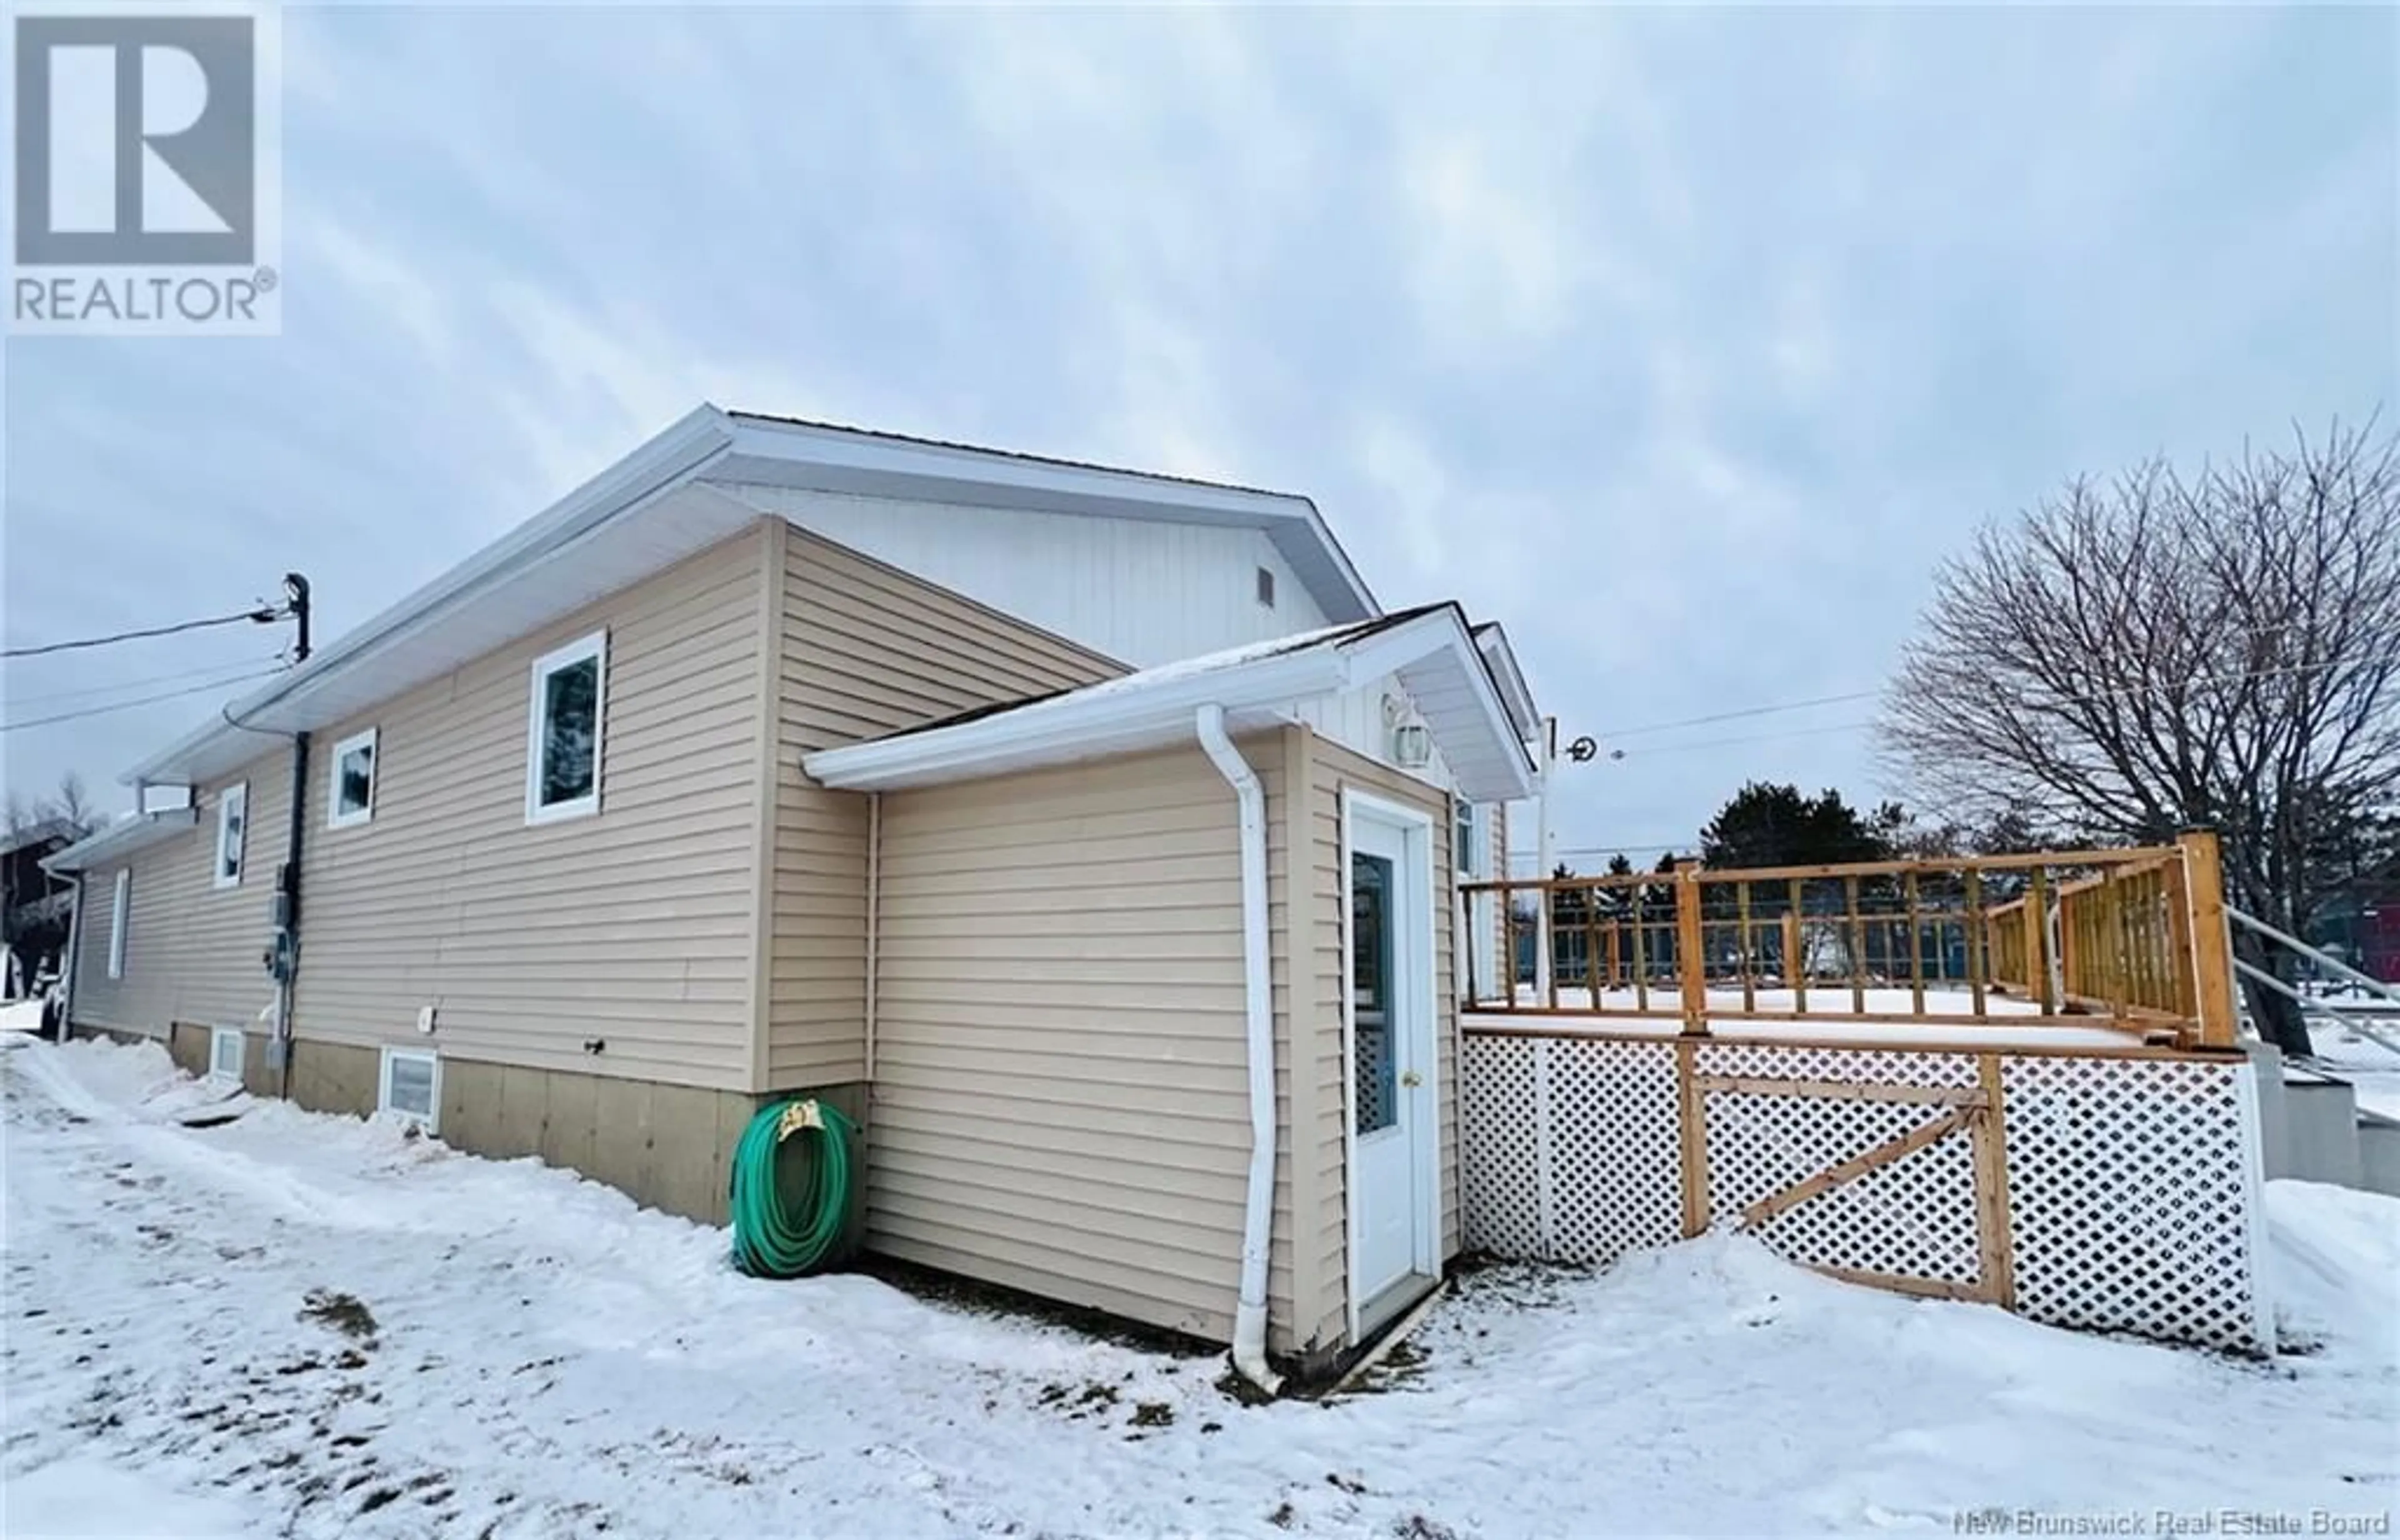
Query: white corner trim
point(1350, 1301)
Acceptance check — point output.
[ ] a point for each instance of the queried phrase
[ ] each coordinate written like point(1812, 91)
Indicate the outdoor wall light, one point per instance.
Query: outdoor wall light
point(1411, 745)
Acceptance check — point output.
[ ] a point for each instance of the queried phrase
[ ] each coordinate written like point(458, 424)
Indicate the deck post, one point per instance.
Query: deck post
point(2212, 940)
point(1691, 956)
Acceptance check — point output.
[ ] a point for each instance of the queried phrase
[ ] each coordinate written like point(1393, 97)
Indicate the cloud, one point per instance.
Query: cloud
point(1684, 342)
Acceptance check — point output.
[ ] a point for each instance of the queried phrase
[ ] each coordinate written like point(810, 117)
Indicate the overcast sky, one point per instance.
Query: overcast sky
point(1685, 343)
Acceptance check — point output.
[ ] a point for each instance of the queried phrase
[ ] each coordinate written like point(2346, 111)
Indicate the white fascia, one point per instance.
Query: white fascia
point(122, 837)
point(679, 454)
point(1075, 725)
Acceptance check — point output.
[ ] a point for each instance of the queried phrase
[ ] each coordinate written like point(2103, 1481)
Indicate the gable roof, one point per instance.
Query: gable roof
point(670, 498)
point(1511, 678)
point(1430, 649)
point(823, 457)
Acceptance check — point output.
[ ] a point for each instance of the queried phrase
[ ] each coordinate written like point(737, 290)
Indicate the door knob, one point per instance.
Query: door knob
point(1411, 1078)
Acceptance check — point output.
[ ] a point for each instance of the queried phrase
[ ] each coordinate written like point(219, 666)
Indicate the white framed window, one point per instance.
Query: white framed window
point(562, 730)
point(1467, 846)
point(226, 1053)
point(233, 824)
point(120, 910)
point(411, 1085)
point(351, 797)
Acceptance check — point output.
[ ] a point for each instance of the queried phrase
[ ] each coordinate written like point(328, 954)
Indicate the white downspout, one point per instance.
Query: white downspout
point(1258, 992)
point(874, 921)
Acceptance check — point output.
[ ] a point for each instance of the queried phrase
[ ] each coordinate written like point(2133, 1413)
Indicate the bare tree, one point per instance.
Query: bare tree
point(2217, 647)
point(72, 805)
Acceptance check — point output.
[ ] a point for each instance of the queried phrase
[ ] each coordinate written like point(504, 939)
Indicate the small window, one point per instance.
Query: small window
point(412, 1086)
point(351, 799)
point(226, 1053)
point(563, 737)
point(233, 823)
point(1463, 846)
point(120, 908)
point(1266, 587)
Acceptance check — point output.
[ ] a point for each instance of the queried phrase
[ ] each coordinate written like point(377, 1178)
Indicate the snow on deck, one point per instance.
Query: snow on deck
point(1830, 1011)
point(311, 1325)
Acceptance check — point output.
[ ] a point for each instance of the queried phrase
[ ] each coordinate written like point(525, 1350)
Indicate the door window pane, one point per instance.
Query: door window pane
point(1377, 1093)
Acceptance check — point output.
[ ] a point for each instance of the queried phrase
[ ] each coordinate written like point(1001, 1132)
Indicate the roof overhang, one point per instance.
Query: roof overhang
point(641, 514)
point(1494, 641)
point(120, 839)
point(1429, 651)
point(660, 504)
point(813, 456)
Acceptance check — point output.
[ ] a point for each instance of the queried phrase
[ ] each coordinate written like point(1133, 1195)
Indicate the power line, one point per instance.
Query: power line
point(1872, 694)
point(1746, 711)
point(140, 700)
point(136, 684)
point(262, 615)
point(2047, 701)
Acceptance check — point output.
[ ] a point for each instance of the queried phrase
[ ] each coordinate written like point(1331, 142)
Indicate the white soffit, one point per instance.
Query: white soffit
point(1429, 651)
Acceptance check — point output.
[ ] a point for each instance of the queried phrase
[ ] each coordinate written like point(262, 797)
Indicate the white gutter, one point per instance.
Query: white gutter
point(1257, 1212)
point(1099, 719)
point(122, 837)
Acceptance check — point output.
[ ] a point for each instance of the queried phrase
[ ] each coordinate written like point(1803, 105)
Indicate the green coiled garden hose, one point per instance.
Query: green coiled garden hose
point(789, 1222)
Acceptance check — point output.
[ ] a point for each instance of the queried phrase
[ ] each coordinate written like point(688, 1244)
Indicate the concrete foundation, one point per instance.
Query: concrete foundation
point(110, 1034)
point(2378, 1153)
point(2322, 1118)
point(2311, 1128)
point(666, 1146)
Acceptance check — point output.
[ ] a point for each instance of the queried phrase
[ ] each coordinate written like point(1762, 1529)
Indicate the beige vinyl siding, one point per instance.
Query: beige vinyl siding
point(193, 950)
point(636, 927)
point(866, 649)
point(1061, 1082)
point(1332, 769)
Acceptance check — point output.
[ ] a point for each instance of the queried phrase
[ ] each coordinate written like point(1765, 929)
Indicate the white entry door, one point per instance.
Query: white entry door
point(1394, 1117)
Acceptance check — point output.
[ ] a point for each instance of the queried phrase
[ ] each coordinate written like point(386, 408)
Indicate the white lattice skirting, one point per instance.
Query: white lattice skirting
point(2131, 1198)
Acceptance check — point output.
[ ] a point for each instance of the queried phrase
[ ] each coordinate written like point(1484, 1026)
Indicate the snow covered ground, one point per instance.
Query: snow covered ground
point(306, 1325)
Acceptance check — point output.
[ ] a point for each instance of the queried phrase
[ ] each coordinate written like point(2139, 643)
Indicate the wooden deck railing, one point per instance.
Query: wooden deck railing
point(2131, 939)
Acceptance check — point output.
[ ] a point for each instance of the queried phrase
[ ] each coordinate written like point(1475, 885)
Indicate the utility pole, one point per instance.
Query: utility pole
point(1545, 856)
point(295, 595)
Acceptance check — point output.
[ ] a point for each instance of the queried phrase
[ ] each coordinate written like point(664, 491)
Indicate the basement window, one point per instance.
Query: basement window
point(226, 1053)
point(233, 823)
point(350, 798)
point(411, 1086)
point(1266, 587)
point(120, 910)
point(563, 732)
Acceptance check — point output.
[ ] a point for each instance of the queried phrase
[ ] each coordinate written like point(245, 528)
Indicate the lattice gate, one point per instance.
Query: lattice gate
point(1882, 1169)
point(2109, 1192)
